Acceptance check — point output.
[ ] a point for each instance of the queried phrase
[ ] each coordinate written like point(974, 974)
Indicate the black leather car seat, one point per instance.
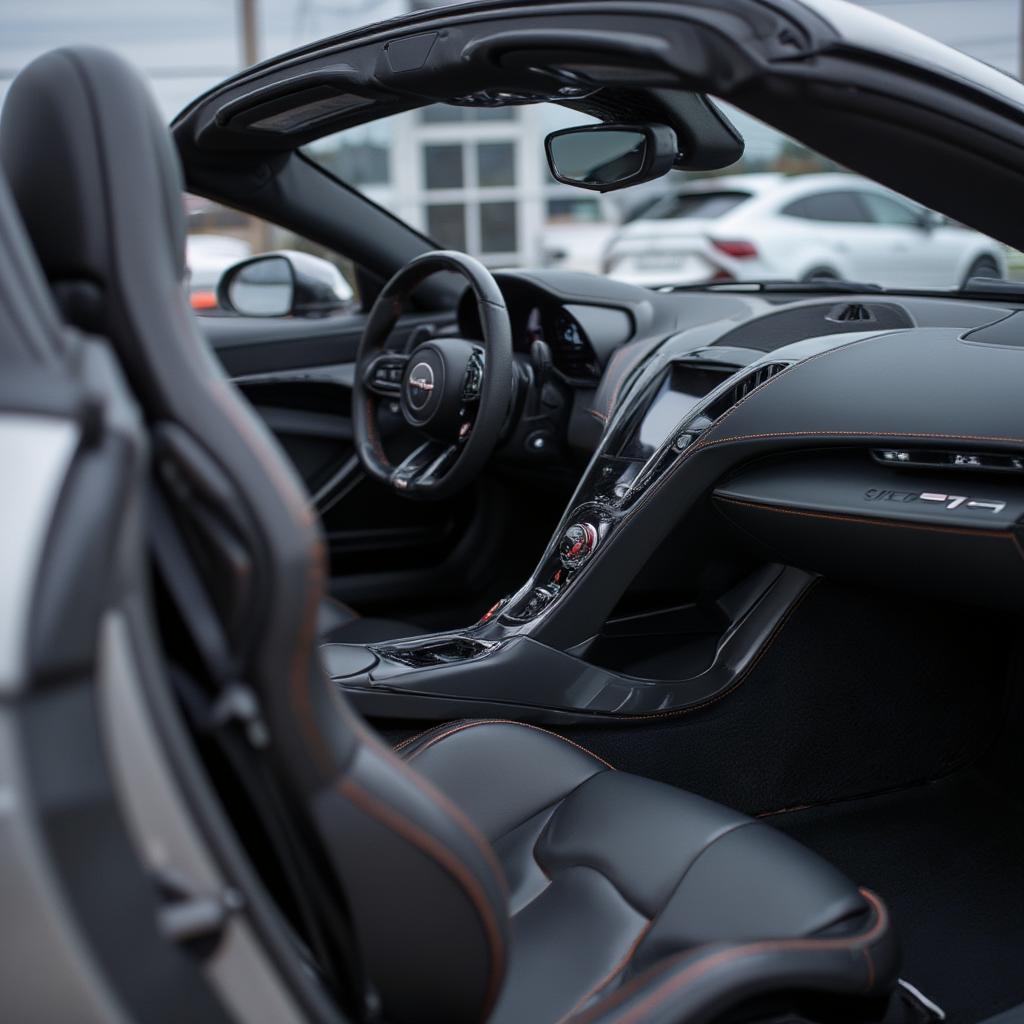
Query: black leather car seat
point(489, 870)
point(65, 229)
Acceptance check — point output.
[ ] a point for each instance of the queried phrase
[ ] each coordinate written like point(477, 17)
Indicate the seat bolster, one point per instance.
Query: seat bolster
point(751, 883)
point(425, 891)
point(642, 835)
point(501, 773)
point(699, 985)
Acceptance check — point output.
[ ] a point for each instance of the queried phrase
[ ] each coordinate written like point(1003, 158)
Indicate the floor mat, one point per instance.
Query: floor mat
point(948, 858)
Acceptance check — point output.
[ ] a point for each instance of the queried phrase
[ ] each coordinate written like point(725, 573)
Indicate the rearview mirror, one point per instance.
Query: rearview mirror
point(605, 157)
point(285, 283)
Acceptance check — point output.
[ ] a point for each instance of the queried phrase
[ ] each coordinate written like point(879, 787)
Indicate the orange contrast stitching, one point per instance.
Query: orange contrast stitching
point(445, 859)
point(702, 967)
point(610, 976)
point(874, 521)
point(506, 721)
point(429, 790)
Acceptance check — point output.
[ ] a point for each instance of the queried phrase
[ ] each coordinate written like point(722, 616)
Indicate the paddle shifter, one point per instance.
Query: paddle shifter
point(541, 362)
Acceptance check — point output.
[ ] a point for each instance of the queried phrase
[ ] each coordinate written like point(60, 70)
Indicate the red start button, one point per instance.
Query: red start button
point(577, 544)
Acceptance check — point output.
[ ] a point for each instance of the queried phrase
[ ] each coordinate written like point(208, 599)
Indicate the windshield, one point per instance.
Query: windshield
point(476, 179)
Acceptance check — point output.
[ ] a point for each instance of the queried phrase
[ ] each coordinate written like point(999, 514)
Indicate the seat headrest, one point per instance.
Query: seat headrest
point(30, 330)
point(92, 169)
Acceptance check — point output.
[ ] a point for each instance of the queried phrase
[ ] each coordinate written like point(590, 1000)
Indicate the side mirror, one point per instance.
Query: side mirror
point(604, 157)
point(930, 220)
point(285, 283)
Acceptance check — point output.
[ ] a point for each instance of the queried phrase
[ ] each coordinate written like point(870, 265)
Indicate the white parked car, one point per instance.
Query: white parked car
point(754, 227)
point(207, 257)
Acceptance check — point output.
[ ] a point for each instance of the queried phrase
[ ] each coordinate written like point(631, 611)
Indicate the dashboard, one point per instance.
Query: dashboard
point(807, 423)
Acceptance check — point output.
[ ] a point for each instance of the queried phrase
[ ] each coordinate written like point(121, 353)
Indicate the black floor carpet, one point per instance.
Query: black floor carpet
point(948, 858)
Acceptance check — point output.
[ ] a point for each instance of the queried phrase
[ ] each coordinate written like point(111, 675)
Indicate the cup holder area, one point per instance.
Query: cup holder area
point(436, 652)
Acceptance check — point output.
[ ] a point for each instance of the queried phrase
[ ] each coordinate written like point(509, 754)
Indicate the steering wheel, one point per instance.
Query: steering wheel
point(454, 392)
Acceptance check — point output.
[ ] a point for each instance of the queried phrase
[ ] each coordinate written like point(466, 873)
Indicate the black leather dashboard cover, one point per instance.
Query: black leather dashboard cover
point(848, 517)
point(922, 385)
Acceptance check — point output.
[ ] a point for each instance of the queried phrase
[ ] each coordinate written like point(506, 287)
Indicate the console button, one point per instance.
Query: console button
point(539, 599)
point(577, 545)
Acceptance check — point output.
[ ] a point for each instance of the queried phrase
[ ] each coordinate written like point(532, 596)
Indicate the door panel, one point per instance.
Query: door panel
point(380, 545)
point(298, 375)
point(437, 564)
point(251, 345)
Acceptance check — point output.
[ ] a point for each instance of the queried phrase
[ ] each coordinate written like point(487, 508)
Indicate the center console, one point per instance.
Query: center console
point(662, 416)
point(513, 662)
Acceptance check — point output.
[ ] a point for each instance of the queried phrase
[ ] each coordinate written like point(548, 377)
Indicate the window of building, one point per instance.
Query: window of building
point(442, 166)
point(498, 231)
point(361, 156)
point(496, 164)
point(446, 224)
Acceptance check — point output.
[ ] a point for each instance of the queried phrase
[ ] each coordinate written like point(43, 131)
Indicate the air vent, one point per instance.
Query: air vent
point(746, 384)
point(850, 312)
point(742, 388)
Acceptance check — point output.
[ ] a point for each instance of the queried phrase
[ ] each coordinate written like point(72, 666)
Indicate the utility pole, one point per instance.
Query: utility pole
point(248, 17)
point(250, 32)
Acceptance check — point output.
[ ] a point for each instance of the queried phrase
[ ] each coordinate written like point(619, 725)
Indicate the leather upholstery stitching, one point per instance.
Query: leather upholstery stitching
point(704, 443)
point(873, 521)
point(610, 976)
point(410, 740)
point(447, 861)
point(300, 680)
point(716, 426)
point(624, 962)
point(441, 800)
point(825, 433)
point(504, 721)
point(696, 970)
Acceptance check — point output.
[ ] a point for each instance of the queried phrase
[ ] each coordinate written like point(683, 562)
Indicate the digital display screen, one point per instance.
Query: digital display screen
point(672, 399)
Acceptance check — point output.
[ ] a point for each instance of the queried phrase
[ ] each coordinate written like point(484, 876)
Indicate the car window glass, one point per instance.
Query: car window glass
point(835, 207)
point(218, 237)
point(884, 210)
point(476, 179)
point(703, 205)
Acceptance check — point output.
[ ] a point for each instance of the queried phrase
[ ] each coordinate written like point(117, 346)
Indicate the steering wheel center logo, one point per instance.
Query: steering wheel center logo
point(420, 385)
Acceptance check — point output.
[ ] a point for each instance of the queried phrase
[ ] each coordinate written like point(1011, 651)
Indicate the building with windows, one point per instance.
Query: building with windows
point(476, 179)
point(470, 178)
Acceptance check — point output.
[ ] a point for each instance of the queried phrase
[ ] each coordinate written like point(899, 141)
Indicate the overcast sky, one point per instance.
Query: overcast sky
point(188, 45)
